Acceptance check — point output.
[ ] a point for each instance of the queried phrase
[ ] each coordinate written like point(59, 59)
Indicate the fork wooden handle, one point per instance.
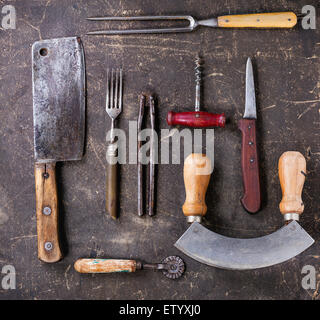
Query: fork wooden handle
point(112, 183)
point(111, 190)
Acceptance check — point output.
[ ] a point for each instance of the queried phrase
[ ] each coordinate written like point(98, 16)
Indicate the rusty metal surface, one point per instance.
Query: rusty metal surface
point(58, 86)
point(287, 73)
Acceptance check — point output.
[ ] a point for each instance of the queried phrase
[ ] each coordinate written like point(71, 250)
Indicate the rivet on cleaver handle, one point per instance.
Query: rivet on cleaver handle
point(47, 213)
point(58, 75)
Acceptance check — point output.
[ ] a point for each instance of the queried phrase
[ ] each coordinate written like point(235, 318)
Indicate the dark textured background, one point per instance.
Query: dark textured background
point(287, 71)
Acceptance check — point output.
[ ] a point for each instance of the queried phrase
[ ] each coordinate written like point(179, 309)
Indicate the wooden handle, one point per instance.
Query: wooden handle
point(104, 265)
point(292, 170)
point(260, 20)
point(251, 199)
point(197, 172)
point(47, 213)
point(111, 190)
point(196, 119)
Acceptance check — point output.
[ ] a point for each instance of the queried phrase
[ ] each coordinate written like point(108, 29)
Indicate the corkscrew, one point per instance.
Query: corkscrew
point(197, 118)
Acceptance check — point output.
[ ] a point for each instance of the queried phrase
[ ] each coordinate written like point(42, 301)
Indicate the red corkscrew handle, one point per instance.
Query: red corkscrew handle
point(198, 119)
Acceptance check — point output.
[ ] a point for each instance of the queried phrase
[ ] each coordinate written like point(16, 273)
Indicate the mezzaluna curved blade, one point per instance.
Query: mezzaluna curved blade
point(223, 252)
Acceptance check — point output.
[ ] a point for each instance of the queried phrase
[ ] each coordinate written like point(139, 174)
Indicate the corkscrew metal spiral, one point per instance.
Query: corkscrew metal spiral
point(198, 62)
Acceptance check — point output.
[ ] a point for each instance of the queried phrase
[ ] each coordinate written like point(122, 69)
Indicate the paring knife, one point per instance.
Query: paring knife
point(251, 199)
point(58, 75)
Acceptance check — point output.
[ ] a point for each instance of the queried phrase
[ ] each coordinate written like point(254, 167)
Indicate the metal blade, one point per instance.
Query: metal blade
point(219, 251)
point(250, 108)
point(58, 75)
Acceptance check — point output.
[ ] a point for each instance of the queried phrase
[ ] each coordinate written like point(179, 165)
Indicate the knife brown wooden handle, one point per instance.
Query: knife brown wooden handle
point(47, 213)
point(105, 265)
point(112, 188)
point(292, 171)
point(251, 199)
point(259, 20)
point(197, 171)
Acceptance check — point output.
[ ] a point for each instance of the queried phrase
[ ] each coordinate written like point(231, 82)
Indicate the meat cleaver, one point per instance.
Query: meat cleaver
point(58, 79)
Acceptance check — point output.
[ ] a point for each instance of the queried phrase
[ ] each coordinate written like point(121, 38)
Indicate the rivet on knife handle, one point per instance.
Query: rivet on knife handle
point(251, 199)
point(47, 213)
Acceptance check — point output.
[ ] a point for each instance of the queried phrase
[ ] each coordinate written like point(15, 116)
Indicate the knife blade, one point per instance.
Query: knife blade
point(58, 79)
point(251, 200)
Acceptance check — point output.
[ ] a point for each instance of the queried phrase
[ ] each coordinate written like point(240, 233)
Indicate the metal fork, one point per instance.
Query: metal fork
point(113, 108)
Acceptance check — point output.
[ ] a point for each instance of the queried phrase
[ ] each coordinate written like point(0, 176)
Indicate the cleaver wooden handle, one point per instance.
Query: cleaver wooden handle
point(47, 212)
point(259, 20)
point(251, 199)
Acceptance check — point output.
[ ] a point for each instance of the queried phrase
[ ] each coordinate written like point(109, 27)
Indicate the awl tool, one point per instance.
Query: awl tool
point(251, 199)
point(146, 100)
point(257, 20)
point(223, 252)
point(172, 267)
point(197, 118)
point(58, 75)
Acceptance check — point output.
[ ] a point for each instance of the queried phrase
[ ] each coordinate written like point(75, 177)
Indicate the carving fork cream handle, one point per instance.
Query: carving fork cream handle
point(292, 171)
point(259, 20)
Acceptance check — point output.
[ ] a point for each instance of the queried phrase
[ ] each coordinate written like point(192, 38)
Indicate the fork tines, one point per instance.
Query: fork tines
point(114, 89)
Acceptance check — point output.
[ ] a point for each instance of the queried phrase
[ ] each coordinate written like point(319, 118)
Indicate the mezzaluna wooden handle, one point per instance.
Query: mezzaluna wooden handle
point(199, 119)
point(292, 171)
point(197, 171)
point(47, 213)
point(259, 20)
point(251, 199)
point(105, 265)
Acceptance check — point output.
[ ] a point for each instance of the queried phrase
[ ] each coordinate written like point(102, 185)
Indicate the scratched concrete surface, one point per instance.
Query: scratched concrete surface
point(288, 88)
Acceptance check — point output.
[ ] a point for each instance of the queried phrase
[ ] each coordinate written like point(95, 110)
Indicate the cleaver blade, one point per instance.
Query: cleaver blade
point(58, 80)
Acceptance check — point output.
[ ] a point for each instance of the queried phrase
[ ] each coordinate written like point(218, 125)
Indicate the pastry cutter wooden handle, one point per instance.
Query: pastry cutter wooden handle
point(172, 267)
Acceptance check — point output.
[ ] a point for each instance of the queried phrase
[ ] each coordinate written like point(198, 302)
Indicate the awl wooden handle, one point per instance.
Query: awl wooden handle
point(259, 20)
point(197, 171)
point(47, 212)
point(292, 171)
point(105, 265)
point(194, 119)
